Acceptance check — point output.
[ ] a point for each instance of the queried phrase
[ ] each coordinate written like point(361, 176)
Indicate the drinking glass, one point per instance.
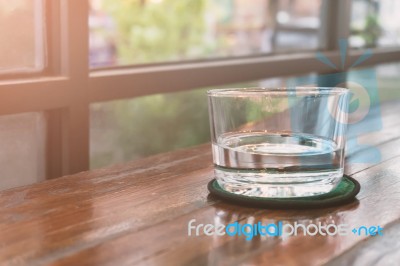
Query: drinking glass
point(280, 142)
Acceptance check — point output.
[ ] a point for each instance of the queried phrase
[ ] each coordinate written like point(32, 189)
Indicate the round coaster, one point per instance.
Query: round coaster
point(344, 193)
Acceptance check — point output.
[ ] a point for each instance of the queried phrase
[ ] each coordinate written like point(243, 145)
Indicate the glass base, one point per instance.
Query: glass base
point(263, 183)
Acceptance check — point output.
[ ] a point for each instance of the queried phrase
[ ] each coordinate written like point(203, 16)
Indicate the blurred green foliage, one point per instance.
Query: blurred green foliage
point(372, 31)
point(161, 123)
point(150, 125)
point(154, 31)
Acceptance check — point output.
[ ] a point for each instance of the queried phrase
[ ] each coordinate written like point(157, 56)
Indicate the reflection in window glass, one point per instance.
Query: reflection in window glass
point(131, 32)
point(22, 149)
point(375, 23)
point(21, 45)
point(125, 130)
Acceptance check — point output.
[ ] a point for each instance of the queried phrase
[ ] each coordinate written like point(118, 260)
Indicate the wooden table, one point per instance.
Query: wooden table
point(138, 214)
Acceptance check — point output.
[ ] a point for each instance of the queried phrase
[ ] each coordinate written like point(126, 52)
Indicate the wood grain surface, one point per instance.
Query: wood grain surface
point(137, 214)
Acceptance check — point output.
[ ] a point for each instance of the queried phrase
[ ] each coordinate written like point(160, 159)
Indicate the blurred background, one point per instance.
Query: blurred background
point(135, 35)
point(145, 32)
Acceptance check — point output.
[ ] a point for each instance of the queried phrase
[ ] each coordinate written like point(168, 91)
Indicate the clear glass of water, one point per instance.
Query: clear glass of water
point(281, 142)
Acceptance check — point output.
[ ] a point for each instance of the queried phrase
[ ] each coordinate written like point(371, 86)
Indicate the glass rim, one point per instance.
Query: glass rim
point(255, 91)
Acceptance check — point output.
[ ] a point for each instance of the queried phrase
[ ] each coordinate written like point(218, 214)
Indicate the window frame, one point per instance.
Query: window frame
point(68, 87)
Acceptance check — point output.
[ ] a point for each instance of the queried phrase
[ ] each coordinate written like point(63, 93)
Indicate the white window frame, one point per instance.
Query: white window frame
point(69, 87)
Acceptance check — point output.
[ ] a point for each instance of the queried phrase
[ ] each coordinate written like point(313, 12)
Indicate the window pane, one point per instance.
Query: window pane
point(21, 45)
point(132, 32)
point(22, 149)
point(375, 23)
point(129, 129)
point(388, 76)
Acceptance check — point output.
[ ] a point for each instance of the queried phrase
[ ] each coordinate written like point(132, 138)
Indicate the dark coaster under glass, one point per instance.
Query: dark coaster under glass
point(344, 193)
